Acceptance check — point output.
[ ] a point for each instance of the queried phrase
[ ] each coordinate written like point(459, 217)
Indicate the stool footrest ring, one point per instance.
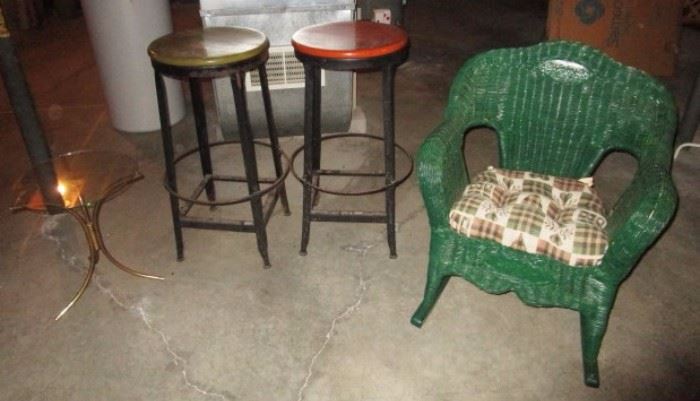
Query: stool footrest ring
point(274, 182)
point(218, 224)
point(320, 172)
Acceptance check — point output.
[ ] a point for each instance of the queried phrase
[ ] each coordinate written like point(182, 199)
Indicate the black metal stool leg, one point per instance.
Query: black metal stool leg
point(168, 153)
point(316, 162)
point(389, 160)
point(200, 119)
point(251, 169)
point(311, 112)
point(274, 141)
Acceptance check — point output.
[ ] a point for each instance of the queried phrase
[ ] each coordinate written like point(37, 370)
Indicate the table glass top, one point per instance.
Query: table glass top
point(82, 178)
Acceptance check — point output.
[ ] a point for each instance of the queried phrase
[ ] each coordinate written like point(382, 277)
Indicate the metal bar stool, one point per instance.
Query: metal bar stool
point(349, 46)
point(203, 54)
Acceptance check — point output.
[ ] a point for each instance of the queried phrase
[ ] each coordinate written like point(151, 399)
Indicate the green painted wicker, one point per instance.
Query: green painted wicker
point(558, 108)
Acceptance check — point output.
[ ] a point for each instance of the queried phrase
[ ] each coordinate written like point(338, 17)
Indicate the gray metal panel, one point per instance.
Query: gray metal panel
point(288, 107)
point(279, 20)
point(267, 6)
point(277, 26)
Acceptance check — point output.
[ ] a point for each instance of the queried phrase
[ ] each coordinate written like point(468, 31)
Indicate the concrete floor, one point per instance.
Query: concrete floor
point(333, 325)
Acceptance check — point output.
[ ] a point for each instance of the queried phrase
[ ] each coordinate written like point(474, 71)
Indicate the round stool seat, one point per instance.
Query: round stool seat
point(208, 47)
point(349, 40)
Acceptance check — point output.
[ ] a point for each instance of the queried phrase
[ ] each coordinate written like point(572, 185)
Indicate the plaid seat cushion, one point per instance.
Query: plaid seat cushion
point(562, 218)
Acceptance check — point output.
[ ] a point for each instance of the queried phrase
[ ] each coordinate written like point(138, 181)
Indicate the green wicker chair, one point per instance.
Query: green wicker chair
point(558, 108)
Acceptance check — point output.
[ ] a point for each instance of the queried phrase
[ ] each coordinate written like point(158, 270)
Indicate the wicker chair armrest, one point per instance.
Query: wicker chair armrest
point(441, 170)
point(640, 216)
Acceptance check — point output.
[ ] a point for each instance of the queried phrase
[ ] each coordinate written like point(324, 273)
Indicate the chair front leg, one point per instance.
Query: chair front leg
point(594, 323)
point(436, 281)
point(433, 288)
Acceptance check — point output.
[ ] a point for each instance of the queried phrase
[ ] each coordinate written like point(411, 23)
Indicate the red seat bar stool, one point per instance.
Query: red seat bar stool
point(349, 46)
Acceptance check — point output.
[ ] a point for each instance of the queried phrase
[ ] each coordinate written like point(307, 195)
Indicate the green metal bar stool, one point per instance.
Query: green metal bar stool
point(200, 55)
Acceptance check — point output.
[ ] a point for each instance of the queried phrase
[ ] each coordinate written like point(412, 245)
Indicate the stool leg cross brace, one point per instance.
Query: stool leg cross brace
point(312, 149)
point(260, 213)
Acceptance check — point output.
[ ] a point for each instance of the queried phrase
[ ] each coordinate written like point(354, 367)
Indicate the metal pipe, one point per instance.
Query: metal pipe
point(27, 119)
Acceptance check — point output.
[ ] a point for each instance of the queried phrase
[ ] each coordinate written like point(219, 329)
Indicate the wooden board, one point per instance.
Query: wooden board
point(640, 33)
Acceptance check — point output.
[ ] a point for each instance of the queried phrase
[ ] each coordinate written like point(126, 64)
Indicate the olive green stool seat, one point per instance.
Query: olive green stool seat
point(209, 47)
point(197, 56)
point(558, 108)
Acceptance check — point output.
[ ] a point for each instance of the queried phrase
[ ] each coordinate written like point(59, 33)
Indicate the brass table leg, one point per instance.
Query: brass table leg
point(89, 222)
point(100, 245)
point(93, 258)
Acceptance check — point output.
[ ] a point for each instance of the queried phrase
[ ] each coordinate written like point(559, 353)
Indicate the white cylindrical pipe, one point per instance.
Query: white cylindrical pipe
point(120, 32)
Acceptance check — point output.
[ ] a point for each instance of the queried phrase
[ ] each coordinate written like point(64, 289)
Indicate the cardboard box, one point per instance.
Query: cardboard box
point(640, 33)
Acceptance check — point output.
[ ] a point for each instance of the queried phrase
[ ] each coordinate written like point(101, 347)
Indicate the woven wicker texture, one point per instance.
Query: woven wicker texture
point(558, 108)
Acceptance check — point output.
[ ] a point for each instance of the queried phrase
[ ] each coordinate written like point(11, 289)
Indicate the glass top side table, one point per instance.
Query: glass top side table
point(85, 181)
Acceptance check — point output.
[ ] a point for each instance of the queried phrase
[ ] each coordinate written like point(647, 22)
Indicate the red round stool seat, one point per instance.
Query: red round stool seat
point(348, 46)
point(349, 40)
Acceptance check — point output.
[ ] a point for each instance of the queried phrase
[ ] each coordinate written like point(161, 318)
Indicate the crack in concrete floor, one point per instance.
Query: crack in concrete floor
point(50, 230)
point(361, 249)
point(51, 227)
point(177, 359)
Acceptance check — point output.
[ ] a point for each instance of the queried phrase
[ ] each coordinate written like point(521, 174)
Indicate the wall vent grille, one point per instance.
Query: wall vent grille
point(284, 71)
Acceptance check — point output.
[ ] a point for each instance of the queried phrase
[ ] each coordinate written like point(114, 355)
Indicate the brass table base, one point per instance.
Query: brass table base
point(89, 222)
point(83, 181)
point(87, 216)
